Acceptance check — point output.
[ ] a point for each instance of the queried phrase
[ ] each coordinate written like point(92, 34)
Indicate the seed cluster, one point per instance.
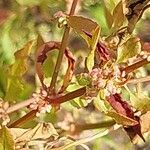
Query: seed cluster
point(106, 79)
point(40, 104)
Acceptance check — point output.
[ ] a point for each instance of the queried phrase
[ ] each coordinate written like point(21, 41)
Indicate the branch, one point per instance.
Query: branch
point(62, 49)
point(20, 105)
point(135, 66)
point(55, 101)
point(139, 80)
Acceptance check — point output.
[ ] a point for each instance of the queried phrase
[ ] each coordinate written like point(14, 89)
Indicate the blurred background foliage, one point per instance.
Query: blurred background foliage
point(25, 20)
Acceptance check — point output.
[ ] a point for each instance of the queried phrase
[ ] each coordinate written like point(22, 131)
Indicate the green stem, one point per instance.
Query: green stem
point(62, 49)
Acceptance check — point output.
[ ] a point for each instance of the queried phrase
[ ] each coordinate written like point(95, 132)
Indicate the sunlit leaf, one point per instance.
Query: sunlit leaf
point(128, 49)
point(6, 139)
point(140, 101)
point(118, 16)
point(94, 41)
point(16, 71)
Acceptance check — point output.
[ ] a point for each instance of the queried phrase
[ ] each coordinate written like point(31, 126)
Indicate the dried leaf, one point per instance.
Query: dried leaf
point(80, 24)
point(6, 139)
point(136, 9)
point(42, 56)
point(120, 106)
point(42, 131)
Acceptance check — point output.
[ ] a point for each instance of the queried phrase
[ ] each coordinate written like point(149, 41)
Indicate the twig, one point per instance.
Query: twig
point(55, 101)
point(24, 119)
point(62, 49)
point(135, 66)
point(20, 105)
point(82, 141)
point(139, 80)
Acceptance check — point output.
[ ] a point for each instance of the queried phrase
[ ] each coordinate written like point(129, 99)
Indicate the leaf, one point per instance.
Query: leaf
point(128, 49)
point(94, 41)
point(79, 102)
point(120, 106)
point(42, 56)
point(16, 71)
point(83, 80)
point(6, 139)
point(80, 24)
point(145, 122)
point(122, 119)
point(135, 12)
point(42, 131)
point(135, 130)
point(140, 102)
point(118, 16)
point(109, 17)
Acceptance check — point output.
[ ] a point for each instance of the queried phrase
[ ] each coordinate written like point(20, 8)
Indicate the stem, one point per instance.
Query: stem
point(139, 80)
point(135, 66)
point(54, 101)
point(105, 124)
point(24, 119)
point(67, 97)
point(82, 141)
point(20, 105)
point(62, 49)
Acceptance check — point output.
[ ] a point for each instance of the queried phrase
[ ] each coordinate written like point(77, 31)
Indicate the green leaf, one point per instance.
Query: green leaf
point(100, 103)
point(79, 102)
point(121, 119)
point(139, 101)
point(6, 139)
point(94, 41)
point(15, 73)
point(128, 49)
point(83, 80)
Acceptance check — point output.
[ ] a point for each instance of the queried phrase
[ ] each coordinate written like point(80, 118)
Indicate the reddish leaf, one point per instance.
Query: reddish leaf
point(42, 56)
point(120, 106)
point(123, 108)
point(101, 49)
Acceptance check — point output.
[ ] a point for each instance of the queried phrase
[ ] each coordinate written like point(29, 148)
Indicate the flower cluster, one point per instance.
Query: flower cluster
point(40, 104)
point(3, 112)
point(106, 78)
